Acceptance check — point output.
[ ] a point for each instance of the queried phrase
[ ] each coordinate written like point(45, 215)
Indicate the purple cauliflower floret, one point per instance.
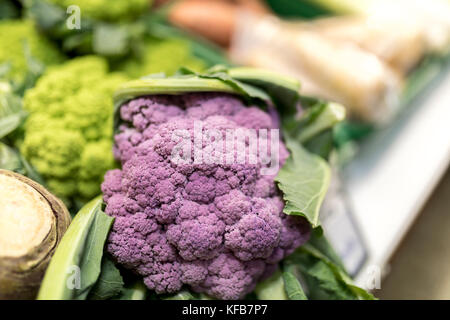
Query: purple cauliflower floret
point(216, 227)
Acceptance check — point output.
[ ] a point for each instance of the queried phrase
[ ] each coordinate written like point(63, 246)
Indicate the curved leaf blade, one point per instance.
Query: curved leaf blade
point(293, 288)
point(304, 181)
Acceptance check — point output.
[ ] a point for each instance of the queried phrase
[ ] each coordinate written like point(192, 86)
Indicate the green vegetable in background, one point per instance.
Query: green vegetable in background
point(9, 9)
point(107, 10)
point(12, 117)
point(109, 28)
point(68, 134)
point(11, 112)
point(11, 159)
point(317, 8)
point(20, 37)
point(131, 36)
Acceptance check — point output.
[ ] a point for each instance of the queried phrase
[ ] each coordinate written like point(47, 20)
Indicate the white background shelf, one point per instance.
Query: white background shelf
point(395, 172)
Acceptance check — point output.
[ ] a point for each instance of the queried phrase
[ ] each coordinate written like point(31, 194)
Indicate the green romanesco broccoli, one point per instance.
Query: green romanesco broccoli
point(107, 10)
point(166, 56)
point(19, 36)
point(68, 134)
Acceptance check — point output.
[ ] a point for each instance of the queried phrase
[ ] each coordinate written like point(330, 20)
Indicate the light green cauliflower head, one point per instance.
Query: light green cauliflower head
point(18, 36)
point(166, 56)
point(107, 10)
point(68, 134)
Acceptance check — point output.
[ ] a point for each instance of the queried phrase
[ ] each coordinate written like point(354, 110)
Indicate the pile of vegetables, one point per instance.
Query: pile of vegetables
point(126, 32)
point(101, 27)
point(59, 132)
point(195, 230)
point(149, 228)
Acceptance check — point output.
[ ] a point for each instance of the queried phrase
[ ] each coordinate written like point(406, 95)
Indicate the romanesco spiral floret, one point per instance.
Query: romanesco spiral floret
point(110, 10)
point(68, 134)
point(18, 36)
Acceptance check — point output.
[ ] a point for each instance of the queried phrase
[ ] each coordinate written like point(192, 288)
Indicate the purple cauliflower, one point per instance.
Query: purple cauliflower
point(218, 228)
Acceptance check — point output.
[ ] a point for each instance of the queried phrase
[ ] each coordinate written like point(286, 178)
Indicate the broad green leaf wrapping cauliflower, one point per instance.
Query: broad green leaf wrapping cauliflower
point(19, 36)
point(68, 134)
point(110, 10)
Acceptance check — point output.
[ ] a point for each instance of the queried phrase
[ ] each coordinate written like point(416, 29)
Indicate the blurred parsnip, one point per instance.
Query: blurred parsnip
point(326, 68)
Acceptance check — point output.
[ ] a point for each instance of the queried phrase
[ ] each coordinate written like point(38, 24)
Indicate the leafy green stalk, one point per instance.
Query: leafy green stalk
point(323, 273)
point(293, 287)
point(76, 264)
point(207, 51)
point(331, 114)
point(282, 285)
point(283, 90)
point(135, 291)
point(11, 159)
point(11, 112)
point(109, 284)
point(322, 276)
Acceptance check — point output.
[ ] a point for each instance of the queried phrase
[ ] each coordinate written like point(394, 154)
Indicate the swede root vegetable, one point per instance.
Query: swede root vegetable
point(32, 222)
